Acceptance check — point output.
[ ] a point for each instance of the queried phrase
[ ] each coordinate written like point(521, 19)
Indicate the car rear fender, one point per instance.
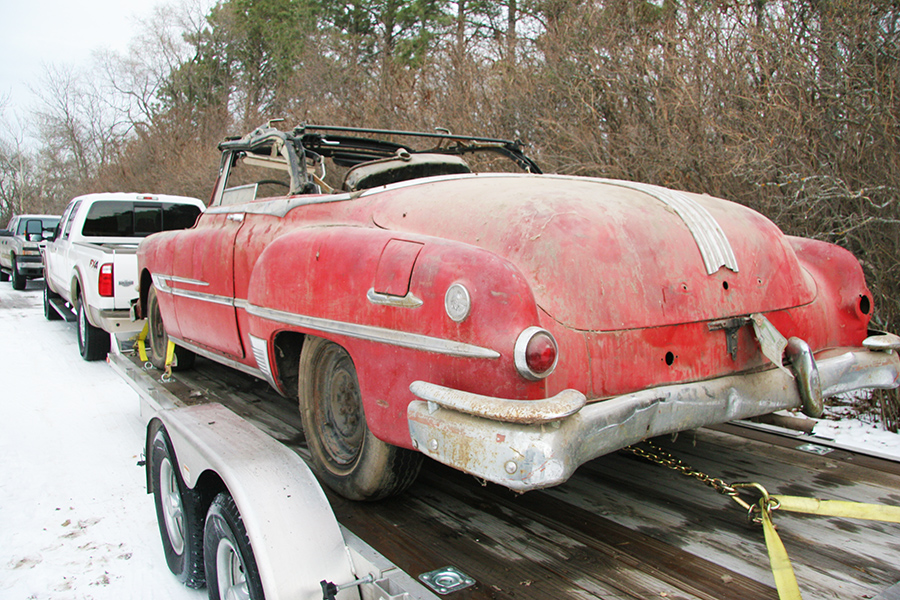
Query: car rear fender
point(381, 295)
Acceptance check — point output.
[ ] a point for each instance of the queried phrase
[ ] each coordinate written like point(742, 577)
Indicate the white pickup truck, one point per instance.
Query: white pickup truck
point(90, 264)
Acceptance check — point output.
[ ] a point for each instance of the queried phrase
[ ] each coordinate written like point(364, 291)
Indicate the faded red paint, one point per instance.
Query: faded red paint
point(613, 273)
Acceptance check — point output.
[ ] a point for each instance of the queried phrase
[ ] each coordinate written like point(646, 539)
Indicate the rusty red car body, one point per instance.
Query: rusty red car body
point(510, 325)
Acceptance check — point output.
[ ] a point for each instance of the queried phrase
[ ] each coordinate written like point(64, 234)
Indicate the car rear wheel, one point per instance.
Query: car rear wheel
point(159, 338)
point(93, 342)
point(178, 514)
point(346, 456)
point(18, 280)
point(231, 571)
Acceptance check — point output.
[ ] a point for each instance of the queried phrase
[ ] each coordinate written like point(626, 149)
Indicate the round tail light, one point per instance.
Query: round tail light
point(536, 353)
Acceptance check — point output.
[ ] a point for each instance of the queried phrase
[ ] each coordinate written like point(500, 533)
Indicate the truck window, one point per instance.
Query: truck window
point(70, 216)
point(130, 219)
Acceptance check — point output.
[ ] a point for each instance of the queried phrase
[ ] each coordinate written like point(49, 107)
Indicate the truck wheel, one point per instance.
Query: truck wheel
point(159, 339)
point(231, 571)
point(93, 342)
point(4, 276)
point(346, 456)
point(18, 280)
point(49, 312)
point(178, 514)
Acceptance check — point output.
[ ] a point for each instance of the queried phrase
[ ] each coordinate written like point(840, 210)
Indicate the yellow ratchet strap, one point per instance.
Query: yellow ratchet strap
point(785, 581)
point(141, 342)
point(170, 354)
point(839, 508)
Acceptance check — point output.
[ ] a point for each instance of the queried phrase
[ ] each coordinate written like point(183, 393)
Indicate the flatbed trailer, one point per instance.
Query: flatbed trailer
point(621, 528)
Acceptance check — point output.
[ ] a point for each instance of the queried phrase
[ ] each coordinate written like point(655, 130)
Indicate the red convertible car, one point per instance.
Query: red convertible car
point(512, 325)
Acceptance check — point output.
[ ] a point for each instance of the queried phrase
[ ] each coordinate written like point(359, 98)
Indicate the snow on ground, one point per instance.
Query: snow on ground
point(860, 435)
point(75, 519)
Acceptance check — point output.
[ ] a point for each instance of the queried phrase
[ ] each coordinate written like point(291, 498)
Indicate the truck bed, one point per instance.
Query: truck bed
point(621, 528)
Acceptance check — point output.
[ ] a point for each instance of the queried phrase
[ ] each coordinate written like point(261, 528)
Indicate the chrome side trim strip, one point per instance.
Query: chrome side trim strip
point(216, 357)
point(162, 284)
point(371, 333)
point(375, 334)
point(711, 240)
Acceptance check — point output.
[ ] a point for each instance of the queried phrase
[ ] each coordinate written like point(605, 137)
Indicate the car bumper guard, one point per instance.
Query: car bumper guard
point(527, 445)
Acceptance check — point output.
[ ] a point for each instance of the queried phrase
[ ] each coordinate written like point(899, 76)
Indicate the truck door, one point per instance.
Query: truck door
point(204, 279)
point(56, 253)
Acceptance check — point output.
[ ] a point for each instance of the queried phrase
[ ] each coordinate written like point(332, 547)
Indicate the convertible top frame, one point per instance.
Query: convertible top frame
point(352, 146)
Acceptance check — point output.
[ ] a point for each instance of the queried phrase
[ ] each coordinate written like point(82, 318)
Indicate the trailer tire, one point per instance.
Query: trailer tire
point(346, 455)
point(93, 342)
point(18, 280)
point(231, 570)
point(49, 312)
point(159, 338)
point(179, 514)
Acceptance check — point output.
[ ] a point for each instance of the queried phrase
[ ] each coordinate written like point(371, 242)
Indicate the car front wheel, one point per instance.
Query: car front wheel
point(159, 339)
point(346, 456)
point(49, 312)
point(18, 280)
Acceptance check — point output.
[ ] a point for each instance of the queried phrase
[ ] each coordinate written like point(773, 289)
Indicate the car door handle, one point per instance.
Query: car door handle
point(237, 217)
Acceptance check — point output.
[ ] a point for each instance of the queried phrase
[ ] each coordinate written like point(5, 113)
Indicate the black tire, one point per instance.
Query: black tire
point(93, 342)
point(231, 570)
point(18, 280)
point(179, 514)
point(4, 276)
point(159, 339)
point(49, 312)
point(346, 456)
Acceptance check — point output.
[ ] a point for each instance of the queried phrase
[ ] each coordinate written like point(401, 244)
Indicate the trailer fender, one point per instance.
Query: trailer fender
point(293, 532)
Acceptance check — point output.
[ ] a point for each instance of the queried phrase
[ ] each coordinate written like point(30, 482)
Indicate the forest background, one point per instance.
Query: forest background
point(791, 107)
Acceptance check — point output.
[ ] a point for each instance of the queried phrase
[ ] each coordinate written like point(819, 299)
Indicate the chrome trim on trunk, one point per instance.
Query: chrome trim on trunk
point(711, 239)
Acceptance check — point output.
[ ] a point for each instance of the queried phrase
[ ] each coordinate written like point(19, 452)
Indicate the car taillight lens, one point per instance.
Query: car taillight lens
point(536, 353)
point(105, 283)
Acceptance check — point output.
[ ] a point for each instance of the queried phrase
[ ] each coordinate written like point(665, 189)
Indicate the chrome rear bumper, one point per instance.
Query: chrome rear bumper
point(490, 438)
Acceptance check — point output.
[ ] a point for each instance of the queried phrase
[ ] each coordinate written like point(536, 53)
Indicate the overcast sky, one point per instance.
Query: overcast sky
point(61, 32)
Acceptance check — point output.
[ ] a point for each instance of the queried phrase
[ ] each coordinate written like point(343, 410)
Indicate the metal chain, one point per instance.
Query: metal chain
point(658, 456)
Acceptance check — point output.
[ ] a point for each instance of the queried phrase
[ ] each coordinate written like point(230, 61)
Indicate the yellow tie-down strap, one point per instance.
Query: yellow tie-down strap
point(839, 508)
point(141, 343)
point(785, 581)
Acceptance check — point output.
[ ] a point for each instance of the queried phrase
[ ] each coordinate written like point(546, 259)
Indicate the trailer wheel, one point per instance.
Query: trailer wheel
point(346, 456)
point(49, 312)
point(231, 571)
point(18, 280)
point(178, 514)
point(159, 339)
point(93, 342)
